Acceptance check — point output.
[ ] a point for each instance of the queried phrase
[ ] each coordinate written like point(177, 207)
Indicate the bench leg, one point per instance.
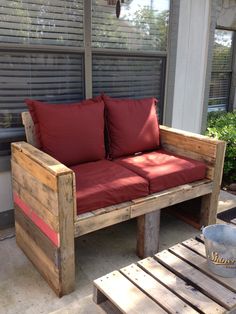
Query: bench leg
point(209, 205)
point(148, 234)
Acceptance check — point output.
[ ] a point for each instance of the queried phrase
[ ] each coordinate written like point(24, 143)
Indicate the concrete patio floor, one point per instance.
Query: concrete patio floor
point(22, 289)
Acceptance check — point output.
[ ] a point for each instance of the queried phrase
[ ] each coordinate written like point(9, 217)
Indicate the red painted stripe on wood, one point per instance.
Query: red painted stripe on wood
point(41, 224)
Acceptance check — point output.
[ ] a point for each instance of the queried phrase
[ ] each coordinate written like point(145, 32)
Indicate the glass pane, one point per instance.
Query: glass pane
point(142, 25)
point(221, 70)
point(44, 22)
point(222, 51)
point(219, 88)
point(132, 77)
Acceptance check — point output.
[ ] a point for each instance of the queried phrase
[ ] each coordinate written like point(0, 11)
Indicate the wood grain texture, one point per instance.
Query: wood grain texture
point(148, 229)
point(29, 129)
point(93, 223)
point(38, 190)
point(43, 264)
point(188, 141)
point(156, 291)
point(43, 212)
point(210, 287)
point(39, 172)
point(171, 196)
point(66, 229)
point(210, 202)
point(125, 295)
point(200, 263)
point(42, 241)
point(179, 287)
point(43, 159)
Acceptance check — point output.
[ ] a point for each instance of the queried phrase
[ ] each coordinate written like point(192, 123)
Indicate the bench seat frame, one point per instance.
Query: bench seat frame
point(45, 203)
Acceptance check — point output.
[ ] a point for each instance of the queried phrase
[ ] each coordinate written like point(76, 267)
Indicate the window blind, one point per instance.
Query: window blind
point(129, 76)
point(52, 22)
point(54, 78)
point(141, 26)
point(221, 70)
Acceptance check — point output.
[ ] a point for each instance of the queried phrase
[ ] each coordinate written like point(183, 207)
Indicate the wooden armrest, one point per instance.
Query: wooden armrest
point(45, 207)
point(26, 154)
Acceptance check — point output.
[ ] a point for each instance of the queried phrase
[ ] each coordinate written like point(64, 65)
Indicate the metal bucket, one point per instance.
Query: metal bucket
point(220, 244)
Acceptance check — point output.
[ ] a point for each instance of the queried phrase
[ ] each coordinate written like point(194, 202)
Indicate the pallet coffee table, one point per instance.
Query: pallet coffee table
point(176, 280)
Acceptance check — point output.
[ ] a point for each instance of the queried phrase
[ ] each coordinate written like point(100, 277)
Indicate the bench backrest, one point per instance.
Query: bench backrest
point(29, 129)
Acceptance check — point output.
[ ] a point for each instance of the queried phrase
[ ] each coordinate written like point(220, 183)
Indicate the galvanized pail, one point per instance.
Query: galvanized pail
point(220, 244)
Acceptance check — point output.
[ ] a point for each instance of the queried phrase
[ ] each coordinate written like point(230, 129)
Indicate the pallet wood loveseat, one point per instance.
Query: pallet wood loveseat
point(46, 192)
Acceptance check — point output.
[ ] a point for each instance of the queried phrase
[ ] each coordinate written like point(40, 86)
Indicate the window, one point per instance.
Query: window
point(43, 54)
point(221, 71)
point(48, 68)
point(129, 53)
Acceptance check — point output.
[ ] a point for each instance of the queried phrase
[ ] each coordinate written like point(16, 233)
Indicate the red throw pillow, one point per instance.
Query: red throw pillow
point(132, 125)
point(71, 133)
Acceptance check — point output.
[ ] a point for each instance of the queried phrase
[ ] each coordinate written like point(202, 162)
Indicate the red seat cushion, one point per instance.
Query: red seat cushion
point(164, 170)
point(104, 183)
point(71, 133)
point(132, 125)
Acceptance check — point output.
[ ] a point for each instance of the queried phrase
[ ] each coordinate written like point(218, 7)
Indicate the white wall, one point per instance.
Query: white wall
point(191, 63)
point(6, 202)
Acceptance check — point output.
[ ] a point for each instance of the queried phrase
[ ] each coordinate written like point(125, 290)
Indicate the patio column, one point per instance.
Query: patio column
point(190, 72)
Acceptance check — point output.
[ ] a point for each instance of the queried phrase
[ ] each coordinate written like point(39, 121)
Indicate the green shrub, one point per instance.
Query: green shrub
point(222, 125)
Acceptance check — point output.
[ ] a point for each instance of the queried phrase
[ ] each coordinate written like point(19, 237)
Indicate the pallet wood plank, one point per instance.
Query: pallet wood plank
point(29, 129)
point(44, 265)
point(201, 263)
point(154, 289)
point(38, 237)
point(39, 172)
point(186, 141)
point(101, 221)
point(43, 159)
point(196, 246)
point(179, 287)
point(49, 232)
point(216, 291)
point(66, 229)
point(210, 202)
point(36, 206)
point(148, 229)
point(125, 295)
point(171, 196)
point(39, 191)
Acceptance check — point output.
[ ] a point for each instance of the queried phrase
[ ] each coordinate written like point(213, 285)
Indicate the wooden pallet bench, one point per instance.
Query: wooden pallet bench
point(176, 280)
point(45, 203)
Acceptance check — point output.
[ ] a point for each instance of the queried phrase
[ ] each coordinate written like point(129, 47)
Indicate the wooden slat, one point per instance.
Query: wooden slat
point(148, 229)
point(43, 159)
point(154, 289)
point(171, 196)
point(179, 287)
point(101, 221)
point(188, 141)
point(208, 286)
point(43, 212)
point(29, 129)
point(200, 263)
point(38, 258)
point(38, 237)
point(210, 202)
point(43, 194)
point(196, 246)
point(125, 295)
point(66, 229)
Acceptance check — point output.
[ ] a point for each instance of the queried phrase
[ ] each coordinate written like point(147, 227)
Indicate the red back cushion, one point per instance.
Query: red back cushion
point(71, 133)
point(132, 125)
